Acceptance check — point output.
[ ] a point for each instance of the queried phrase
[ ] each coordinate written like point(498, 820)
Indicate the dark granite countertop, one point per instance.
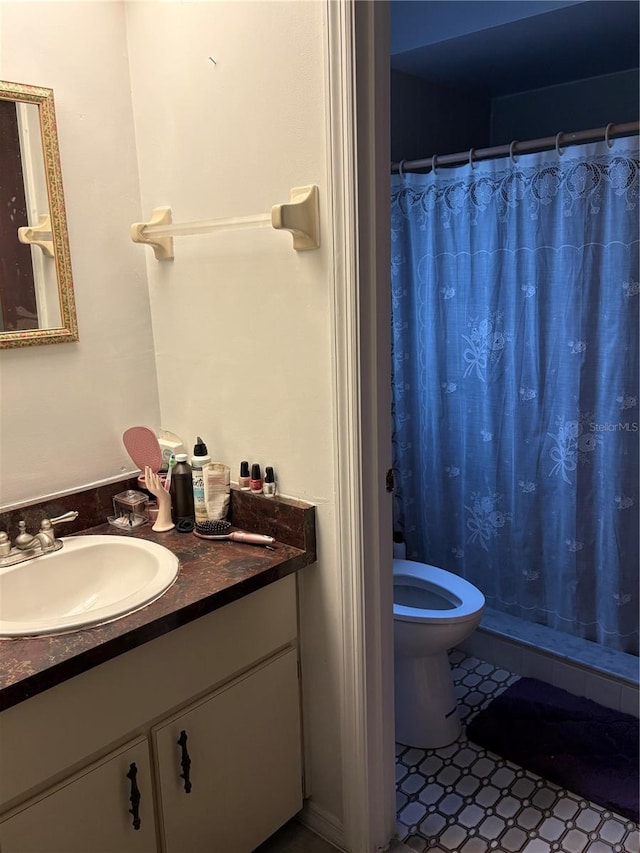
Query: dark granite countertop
point(211, 574)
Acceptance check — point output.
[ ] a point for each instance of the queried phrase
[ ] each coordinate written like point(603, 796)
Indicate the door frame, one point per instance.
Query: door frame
point(359, 158)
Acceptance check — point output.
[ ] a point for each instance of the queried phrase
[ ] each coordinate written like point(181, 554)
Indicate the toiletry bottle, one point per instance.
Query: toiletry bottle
point(181, 489)
point(255, 483)
point(199, 462)
point(244, 478)
point(269, 485)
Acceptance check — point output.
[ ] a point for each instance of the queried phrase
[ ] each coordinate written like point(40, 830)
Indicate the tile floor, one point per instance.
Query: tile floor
point(294, 837)
point(465, 799)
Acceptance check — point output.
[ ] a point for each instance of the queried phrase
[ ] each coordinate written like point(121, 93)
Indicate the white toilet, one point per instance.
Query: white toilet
point(433, 611)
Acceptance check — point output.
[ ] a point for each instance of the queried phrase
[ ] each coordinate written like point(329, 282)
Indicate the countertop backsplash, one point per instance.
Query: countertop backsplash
point(287, 519)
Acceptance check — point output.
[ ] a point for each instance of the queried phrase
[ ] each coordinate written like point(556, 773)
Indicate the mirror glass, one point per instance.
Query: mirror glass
point(37, 304)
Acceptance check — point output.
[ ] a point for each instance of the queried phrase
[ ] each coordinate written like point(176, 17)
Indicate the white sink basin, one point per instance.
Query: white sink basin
point(92, 579)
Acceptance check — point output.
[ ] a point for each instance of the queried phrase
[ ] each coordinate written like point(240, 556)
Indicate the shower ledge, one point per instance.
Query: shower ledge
point(564, 646)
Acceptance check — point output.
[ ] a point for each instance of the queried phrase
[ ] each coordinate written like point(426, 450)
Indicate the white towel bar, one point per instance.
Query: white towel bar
point(300, 216)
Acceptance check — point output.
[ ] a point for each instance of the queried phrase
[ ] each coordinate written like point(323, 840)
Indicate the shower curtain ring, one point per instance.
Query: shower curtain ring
point(607, 131)
point(512, 154)
point(433, 163)
point(472, 151)
point(401, 168)
point(558, 150)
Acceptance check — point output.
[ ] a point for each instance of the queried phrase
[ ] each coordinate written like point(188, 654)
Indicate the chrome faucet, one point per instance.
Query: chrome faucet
point(27, 546)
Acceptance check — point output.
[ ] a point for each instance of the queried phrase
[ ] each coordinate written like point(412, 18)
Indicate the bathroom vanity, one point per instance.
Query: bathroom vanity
point(176, 728)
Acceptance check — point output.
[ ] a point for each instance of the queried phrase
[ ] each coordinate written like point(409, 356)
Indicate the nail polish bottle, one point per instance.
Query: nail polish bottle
point(244, 478)
point(255, 483)
point(269, 485)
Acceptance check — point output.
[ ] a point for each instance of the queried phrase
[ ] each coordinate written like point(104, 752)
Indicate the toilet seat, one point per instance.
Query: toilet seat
point(465, 599)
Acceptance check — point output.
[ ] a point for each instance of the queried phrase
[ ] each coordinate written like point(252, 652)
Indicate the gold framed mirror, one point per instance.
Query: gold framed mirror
point(37, 304)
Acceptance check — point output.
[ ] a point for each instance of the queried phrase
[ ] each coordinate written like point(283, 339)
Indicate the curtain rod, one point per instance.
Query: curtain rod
point(515, 147)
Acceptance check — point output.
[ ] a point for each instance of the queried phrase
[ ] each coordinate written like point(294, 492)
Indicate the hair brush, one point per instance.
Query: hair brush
point(222, 530)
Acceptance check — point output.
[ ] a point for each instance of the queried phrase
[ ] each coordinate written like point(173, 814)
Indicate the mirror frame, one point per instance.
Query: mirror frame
point(68, 331)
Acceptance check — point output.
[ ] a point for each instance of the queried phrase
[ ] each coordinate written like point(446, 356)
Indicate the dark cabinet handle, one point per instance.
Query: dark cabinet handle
point(185, 761)
point(134, 797)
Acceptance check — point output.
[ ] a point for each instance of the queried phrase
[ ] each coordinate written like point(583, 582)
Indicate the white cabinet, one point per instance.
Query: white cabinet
point(229, 681)
point(237, 753)
point(92, 812)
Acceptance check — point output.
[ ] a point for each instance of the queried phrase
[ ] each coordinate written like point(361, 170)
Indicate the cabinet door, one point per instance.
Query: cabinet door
point(243, 743)
point(89, 812)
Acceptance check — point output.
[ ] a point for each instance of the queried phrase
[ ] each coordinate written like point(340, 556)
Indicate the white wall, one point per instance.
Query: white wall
point(240, 320)
point(242, 323)
point(63, 408)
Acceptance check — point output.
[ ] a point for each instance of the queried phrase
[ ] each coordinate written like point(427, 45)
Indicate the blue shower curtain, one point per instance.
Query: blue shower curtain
point(515, 382)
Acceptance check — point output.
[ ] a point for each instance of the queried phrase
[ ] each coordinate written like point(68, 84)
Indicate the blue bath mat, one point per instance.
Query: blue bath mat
point(571, 741)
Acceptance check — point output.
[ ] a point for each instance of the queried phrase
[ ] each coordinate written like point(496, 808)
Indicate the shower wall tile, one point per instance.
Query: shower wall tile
point(630, 700)
point(479, 645)
point(537, 665)
point(603, 690)
point(498, 650)
point(508, 656)
point(569, 678)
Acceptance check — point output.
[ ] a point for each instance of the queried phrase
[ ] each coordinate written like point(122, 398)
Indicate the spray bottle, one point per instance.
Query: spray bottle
point(199, 462)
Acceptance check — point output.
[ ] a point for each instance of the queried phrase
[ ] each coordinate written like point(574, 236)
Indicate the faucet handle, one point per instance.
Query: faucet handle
point(67, 516)
point(46, 525)
point(5, 544)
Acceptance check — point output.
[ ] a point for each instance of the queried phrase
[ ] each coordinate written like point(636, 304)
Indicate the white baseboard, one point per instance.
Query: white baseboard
point(323, 823)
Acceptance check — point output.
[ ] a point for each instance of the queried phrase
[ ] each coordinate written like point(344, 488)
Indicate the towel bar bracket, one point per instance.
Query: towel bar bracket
point(162, 246)
point(38, 235)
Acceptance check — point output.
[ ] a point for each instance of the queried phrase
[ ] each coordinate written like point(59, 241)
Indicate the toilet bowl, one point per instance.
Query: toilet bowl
point(433, 611)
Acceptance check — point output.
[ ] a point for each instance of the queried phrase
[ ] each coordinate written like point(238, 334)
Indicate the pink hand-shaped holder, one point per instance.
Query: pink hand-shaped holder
point(154, 485)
